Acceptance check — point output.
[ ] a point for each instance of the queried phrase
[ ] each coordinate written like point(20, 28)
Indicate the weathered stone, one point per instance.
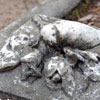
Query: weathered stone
point(35, 91)
point(50, 72)
point(15, 46)
point(55, 70)
point(71, 33)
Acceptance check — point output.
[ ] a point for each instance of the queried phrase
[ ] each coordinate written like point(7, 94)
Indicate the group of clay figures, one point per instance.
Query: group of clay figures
point(54, 49)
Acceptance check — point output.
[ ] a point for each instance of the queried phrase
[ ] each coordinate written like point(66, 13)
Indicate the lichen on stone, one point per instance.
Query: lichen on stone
point(81, 9)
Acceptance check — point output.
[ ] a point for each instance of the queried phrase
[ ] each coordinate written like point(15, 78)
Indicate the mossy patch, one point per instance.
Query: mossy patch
point(81, 9)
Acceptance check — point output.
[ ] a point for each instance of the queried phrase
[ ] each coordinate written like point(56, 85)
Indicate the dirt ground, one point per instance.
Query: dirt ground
point(93, 16)
point(10, 10)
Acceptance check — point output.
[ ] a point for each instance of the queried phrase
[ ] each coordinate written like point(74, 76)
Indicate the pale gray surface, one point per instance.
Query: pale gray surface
point(49, 8)
point(79, 82)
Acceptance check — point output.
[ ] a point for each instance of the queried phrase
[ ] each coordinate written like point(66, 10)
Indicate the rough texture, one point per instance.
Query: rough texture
point(42, 8)
point(46, 70)
point(71, 33)
point(17, 45)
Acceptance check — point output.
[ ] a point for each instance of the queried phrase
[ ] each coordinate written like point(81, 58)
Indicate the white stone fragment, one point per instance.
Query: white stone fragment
point(31, 56)
point(57, 64)
point(55, 70)
point(8, 58)
point(89, 55)
point(71, 33)
point(10, 53)
point(18, 40)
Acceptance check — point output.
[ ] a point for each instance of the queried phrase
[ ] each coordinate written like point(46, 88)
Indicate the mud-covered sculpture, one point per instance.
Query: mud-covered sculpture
point(57, 51)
